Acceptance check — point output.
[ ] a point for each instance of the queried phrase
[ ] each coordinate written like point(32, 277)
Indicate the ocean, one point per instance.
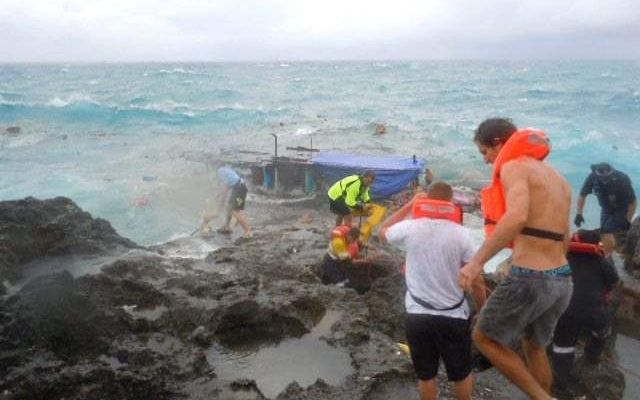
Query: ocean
point(128, 142)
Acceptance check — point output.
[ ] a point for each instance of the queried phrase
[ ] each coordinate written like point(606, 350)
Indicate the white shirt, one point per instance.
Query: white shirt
point(435, 252)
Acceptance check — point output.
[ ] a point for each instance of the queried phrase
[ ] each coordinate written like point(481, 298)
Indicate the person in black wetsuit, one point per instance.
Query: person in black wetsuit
point(593, 278)
point(616, 197)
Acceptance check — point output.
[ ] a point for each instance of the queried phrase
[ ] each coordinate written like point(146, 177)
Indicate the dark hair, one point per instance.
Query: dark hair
point(369, 173)
point(493, 131)
point(603, 168)
point(589, 236)
point(353, 233)
point(440, 191)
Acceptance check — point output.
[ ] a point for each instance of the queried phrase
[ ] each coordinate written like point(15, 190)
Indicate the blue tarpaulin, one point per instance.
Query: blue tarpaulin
point(393, 173)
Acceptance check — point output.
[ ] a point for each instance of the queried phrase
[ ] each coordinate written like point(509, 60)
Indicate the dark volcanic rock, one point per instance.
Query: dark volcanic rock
point(32, 228)
point(145, 325)
point(53, 313)
point(631, 249)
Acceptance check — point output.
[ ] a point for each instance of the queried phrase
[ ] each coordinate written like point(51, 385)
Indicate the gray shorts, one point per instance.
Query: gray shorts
point(526, 304)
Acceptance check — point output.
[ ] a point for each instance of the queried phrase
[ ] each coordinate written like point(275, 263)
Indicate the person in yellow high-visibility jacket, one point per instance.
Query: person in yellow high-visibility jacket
point(351, 196)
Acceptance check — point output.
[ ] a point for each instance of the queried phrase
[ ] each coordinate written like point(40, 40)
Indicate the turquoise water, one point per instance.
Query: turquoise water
point(127, 141)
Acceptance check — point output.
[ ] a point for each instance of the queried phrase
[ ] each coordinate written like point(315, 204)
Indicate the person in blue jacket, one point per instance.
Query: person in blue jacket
point(617, 200)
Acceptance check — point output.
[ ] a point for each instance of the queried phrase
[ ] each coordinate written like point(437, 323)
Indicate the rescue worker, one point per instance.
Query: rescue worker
point(617, 200)
point(351, 196)
point(593, 278)
point(343, 251)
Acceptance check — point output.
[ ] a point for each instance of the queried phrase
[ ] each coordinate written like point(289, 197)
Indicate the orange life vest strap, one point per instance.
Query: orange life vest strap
point(424, 207)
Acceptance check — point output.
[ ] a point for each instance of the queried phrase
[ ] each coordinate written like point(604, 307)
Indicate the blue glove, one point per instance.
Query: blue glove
point(578, 220)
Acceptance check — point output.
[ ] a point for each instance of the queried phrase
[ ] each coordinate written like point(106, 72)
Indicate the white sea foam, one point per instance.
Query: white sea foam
point(178, 71)
point(74, 98)
point(305, 131)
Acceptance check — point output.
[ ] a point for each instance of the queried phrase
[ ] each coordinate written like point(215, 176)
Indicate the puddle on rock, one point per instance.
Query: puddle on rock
point(273, 367)
point(150, 314)
point(76, 265)
point(112, 362)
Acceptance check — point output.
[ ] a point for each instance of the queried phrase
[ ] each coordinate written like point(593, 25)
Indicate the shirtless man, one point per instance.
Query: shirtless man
point(528, 205)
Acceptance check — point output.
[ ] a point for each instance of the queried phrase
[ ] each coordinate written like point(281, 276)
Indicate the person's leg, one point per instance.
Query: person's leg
point(563, 349)
point(464, 388)
point(600, 329)
point(510, 365)
point(239, 216)
point(226, 227)
point(608, 243)
point(538, 363)
point(455, 348)
point(428, 389)
point(422, 341)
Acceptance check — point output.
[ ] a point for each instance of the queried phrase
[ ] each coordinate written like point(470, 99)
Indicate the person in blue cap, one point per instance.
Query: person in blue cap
point(617, 201)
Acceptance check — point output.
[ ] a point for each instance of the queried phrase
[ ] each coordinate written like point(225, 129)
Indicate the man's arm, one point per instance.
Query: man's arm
point(395, 234)
point(609, 274)
point(400, 214)
point(516, 188)
point(351, 199)
point(479, 291)
point(631, 210)
point(366, 196)
point(582, 200)
point(587, 187)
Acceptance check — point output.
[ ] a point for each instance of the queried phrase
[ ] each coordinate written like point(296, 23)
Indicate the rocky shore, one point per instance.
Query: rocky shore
point(87, 314)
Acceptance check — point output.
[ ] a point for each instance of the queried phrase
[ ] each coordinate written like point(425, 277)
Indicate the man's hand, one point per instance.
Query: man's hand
point(468, 274)
point(367, 208)
point(578, 220)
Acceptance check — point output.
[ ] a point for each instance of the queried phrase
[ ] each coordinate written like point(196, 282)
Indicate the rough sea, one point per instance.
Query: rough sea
point(128, 142)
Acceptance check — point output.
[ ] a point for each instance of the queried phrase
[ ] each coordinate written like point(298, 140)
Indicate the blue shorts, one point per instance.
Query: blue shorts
point(613, 222)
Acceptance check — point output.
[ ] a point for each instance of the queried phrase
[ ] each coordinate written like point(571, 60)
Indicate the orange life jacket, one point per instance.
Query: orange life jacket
point(527, 142)
point(577, 246)
point(424, 207)
point(341, 232)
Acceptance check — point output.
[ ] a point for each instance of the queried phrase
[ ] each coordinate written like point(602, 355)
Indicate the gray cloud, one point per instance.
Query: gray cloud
point(200, 30)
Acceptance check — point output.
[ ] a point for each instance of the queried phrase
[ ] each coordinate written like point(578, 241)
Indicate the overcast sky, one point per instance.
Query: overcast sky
point(288, 30)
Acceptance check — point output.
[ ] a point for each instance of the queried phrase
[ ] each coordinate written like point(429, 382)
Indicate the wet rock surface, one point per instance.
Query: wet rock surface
point(151, 326)
point(32, 229)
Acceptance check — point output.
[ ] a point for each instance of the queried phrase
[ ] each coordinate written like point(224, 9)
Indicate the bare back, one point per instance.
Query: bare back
point(548, 209)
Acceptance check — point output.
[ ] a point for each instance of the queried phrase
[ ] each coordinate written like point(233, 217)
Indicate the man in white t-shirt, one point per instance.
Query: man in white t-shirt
point(437, 319)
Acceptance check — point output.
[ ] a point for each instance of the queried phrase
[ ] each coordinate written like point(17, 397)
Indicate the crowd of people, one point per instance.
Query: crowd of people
point(557, 285)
